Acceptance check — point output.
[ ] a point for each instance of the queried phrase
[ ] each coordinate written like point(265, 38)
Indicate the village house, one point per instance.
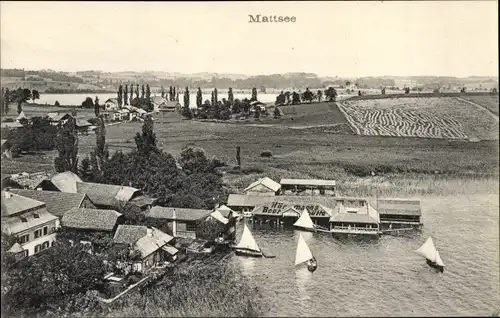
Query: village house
point(226, 217)
point(80, 220)
point(111, 104)
point(110, 195)
point(263, 186)
point(29, 221)
point(148, 247)
point(57, 203)
point(63, 182)
point(162, 105)
point(307, 186)
point(58, 118)
point(399, 213)
point(82, 126)
point(346, 220)
point(183, 222)
point(26, 180)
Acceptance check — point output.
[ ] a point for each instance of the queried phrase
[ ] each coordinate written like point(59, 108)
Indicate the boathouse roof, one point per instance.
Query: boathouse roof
point(353, 218)
point(160, 212)
point(308, 182)
point(397, 206)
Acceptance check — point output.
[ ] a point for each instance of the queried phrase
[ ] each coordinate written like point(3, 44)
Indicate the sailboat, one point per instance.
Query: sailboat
point(247, 245)
point(305, 223)
point(431, 254)
point(304, 254)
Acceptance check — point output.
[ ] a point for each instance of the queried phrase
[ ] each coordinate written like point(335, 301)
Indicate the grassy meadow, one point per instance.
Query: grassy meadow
point(304, 146)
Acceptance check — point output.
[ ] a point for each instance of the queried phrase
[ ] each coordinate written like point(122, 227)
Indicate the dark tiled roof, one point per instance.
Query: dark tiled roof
point(90, 219)
point(57, 202)
point(129, 234)
point(105, 194)
point(161, 212)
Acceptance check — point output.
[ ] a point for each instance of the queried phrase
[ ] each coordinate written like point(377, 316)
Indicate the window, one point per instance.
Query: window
point(191, 226)
point(38, 248)
point(23, 239)
point(38, 233)
point(25, 253)
point(45, 230)
point(45, 245)
point(52, 244)
point(23, 219)
point(36, 216)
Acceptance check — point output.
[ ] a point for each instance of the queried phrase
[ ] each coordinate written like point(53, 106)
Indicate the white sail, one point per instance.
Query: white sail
point(303, 253)
point(428, 250)
point(305, 221)
point(439, 261)
point(247, 241)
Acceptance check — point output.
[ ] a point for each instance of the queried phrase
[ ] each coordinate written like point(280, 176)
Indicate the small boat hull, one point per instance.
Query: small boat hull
point(312, 267)
point(248, 253)
point(435, 266)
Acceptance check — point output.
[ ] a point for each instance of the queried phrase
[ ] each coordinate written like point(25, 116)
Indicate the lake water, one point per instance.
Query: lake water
point(386, 277)
point(77, 99)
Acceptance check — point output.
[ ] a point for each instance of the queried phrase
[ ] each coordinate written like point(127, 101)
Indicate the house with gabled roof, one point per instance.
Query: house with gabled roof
point(183, 222)
point(64, 182)
point(57, 118)
point(107, 195)
point(147, 247)
point(264, 186)
point(29, 221)
point(91, 220)
point(26, 180)
point(57, 202)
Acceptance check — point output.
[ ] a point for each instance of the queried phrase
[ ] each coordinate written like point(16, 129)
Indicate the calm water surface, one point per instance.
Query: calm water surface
point(385, 277)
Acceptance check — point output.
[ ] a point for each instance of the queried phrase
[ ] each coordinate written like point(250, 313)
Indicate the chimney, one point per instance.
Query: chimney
point(149, 232)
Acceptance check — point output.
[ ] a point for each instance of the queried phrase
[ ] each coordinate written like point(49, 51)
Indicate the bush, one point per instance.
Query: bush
point(57, 103)
point(266, 154)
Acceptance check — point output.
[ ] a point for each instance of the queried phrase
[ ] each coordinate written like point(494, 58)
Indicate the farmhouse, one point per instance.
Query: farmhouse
point(57, 203)
point(263, 186)
point(346, 220)
point(82, 126)
point(307, 186)
point(107, 195)
point(26, 180)
point(63, 182)
point(183, 222)
point(58, 118)
point(29, 221)
point(166, 106)
point(91, 220)
point(399, 213)
point(111, 104)
point(148, 247)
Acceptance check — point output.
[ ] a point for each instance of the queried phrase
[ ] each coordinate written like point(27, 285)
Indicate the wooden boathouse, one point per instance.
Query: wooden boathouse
point(363, 220)
point(286, 213)
point(307, 187)
point(396, 213)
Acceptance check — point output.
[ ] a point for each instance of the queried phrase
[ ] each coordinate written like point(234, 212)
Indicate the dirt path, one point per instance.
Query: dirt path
point(484, 109)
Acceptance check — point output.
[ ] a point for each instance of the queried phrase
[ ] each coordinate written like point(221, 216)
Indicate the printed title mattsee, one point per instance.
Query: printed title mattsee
point(258, 18)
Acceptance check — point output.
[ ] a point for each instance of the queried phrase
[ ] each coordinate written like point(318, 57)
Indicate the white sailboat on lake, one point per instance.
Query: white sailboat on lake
point(305, 223)
point(431, 254)
point(304, 254)
point(247, 245)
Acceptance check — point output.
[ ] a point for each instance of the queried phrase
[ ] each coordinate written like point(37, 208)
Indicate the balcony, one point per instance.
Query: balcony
point(355, 230)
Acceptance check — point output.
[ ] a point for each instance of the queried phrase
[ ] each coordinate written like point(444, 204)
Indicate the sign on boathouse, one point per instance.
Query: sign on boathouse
point(283, 209)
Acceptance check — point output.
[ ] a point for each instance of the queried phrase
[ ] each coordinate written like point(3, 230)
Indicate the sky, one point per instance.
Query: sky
point(345, 39)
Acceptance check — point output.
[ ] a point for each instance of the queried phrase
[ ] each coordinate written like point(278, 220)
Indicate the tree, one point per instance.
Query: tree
point(308, 95)
point(96, 107)
point(277, 113)
point(287, 97)
point(5, 100)
point(177, 94)
point(136, 92)
point(35, 95)
point(320, 95)
point(238, 158)
point(199, 98)
point(210, 229)
point(19, 96)
point(146, 142)
point(254, 95)
point(331, 94)
point(236, 109)
point(212, 99)
point(186, 111)
point(125, 96)
point(280, 99)
point(88, 103)
point(120, 96)
point(148, 92)
point(295, 98)
point(143, 92)
point(383, 91)
point(162, 92)
point(101, 150)
point(230, 96)
point(216, 100)
point(67, 147)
